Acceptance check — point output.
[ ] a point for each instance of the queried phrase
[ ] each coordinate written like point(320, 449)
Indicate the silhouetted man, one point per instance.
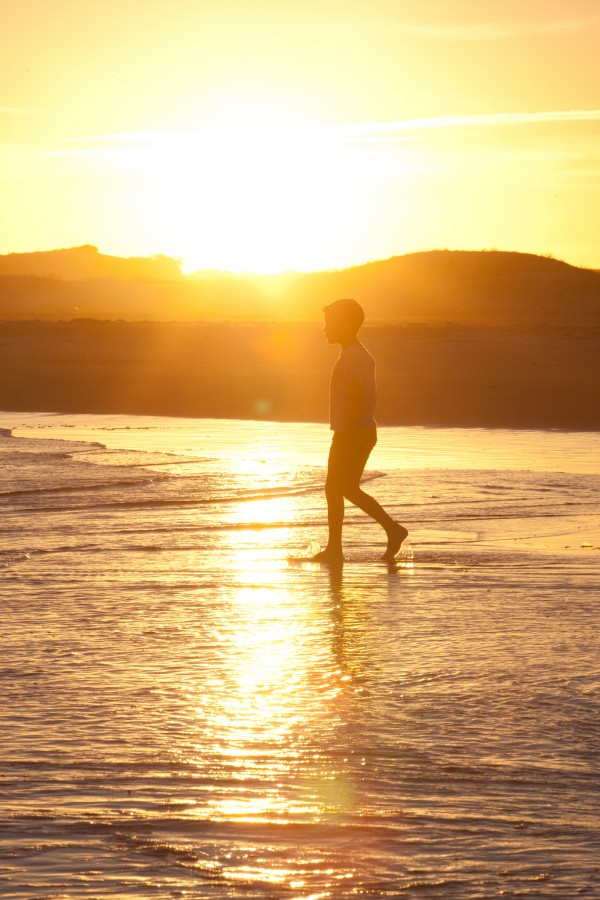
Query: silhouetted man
point(352, 397)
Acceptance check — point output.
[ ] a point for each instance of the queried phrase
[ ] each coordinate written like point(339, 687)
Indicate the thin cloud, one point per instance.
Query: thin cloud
point(13, 111)
point(487, 31)
point(373, 129)
point(399, 130)
point(121, 137)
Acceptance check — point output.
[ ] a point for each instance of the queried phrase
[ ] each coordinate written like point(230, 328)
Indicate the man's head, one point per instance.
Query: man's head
point(343, 318)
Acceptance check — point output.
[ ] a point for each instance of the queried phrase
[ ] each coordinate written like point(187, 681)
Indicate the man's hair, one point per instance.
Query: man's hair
point(349, 312)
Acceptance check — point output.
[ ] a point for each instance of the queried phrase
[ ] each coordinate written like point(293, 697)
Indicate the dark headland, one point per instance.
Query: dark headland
point(461, 339)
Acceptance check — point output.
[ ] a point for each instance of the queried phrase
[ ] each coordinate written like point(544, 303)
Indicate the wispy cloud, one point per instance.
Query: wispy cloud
point(121, 145)
point(374, 129)
point(122, 137)
point(359, 128)
point(488, 31)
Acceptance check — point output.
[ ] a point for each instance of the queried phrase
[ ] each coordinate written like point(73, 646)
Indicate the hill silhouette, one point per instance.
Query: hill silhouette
point(85, 262)
point(435, 287)
point(464, 287)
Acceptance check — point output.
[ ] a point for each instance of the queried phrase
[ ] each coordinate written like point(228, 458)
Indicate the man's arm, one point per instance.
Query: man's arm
point(356, 404)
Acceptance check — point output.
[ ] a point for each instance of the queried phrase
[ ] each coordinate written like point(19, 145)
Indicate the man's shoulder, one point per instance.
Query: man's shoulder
point(357, 354)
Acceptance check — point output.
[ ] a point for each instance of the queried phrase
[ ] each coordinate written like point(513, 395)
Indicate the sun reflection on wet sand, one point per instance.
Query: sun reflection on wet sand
point(265, 512)
point(275, 732)
point(262, 468)
point(270, 702)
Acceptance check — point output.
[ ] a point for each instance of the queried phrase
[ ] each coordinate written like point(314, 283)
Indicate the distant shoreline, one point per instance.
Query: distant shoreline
point(524, 377)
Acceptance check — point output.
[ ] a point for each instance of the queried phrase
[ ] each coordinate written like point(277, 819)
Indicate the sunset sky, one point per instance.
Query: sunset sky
point(264, 136)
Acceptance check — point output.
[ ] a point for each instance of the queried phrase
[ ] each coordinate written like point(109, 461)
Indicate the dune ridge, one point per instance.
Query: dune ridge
point(434, 287)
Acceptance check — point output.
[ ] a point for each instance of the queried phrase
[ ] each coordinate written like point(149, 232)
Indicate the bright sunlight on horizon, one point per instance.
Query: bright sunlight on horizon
point(256, 138)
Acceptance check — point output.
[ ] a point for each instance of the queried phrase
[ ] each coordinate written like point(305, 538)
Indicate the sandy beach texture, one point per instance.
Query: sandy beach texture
point(508, 377)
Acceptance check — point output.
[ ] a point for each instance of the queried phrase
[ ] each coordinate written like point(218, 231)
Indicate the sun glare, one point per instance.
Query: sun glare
point(260, 188)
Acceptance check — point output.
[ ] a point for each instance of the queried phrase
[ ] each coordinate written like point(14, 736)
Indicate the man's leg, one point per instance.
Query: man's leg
point(347, 460)
point(335, 504)
point(395, 532)
point(335, 518)
point(369, 505)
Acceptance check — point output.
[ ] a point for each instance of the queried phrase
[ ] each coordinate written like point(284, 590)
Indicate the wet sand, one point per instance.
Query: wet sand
point(502, 377)
point(191, 710)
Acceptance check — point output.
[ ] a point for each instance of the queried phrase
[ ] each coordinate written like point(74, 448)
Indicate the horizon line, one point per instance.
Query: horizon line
point(246, 273)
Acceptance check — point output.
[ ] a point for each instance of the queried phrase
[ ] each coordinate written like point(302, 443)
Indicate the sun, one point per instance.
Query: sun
point(259, 187)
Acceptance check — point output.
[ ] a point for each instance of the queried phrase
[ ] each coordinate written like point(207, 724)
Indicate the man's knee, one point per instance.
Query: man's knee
point(343, 487)
point(353, 494)
point(334, 486)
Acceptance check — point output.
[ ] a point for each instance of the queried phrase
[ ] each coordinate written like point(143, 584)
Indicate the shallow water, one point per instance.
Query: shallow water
point(191, 710)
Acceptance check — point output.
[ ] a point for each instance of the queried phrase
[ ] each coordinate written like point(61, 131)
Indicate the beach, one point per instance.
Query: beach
point(529, 376)
point(191, 709)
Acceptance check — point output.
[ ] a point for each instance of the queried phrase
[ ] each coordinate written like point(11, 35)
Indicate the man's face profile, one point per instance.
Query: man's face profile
point(335, 329)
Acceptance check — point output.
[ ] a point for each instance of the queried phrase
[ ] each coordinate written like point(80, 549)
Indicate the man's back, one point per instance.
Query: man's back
point(353, 389)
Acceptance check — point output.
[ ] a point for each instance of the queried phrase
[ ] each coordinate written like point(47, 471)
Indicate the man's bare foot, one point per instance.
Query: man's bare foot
point(396, 536)
point(333, 557)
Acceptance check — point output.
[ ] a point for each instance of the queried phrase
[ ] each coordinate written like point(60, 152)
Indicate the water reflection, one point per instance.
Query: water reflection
point(278, 717)
point(287, 716)
point(274, 683)
point(268, 511)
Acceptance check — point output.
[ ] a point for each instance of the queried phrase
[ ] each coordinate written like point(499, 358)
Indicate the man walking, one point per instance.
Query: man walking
point(352, 399)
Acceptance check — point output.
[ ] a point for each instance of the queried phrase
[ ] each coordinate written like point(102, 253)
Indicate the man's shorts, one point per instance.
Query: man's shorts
point(348, 456)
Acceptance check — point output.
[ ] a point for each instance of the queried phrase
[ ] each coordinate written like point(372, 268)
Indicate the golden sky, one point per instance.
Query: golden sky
point(264, 136)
